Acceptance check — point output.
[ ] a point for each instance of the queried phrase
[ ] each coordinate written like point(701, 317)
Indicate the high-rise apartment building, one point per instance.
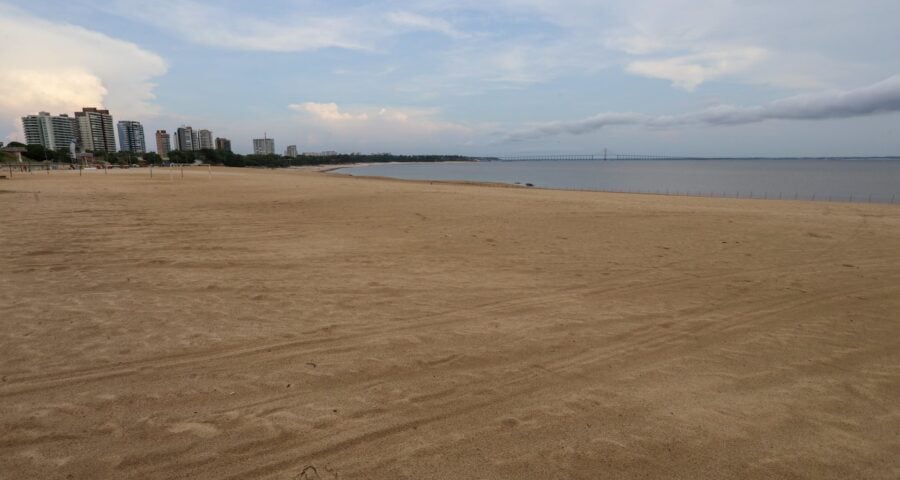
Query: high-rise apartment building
point(223, 144)
point(53, 132)
point(263, 146)
point(163, 143)
point(206, 139)
point(291, 151)
point(131, 136)
point(95, 130)
point(184, 139)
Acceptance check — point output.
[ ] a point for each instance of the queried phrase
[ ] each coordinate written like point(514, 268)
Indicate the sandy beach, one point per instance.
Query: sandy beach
point(298, 324)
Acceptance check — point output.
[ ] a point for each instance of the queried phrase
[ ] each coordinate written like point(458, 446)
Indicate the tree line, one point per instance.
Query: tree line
point(230, 159)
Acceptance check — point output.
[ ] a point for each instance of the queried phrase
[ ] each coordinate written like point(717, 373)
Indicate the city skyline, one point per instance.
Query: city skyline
point(90, 130)
point(517, 77)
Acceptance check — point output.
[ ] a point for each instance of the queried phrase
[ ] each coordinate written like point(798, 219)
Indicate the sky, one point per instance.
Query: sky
point(504, 77)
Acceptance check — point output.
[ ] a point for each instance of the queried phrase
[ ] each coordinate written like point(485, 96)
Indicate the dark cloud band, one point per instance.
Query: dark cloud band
point(881, 97)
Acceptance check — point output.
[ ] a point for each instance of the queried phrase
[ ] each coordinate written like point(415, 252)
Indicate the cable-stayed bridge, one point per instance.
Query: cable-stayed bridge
point(585, 157)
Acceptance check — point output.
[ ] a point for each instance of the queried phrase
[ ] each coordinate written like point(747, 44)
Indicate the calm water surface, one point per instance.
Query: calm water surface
point(856, 179)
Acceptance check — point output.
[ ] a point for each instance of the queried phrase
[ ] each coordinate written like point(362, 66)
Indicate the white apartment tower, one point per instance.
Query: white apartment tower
point(264, 146)
point(53, 132)
point(206, 140)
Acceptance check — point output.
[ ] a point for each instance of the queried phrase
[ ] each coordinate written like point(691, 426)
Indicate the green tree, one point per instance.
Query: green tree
point(38, 153)
point(179, 156)
point(152, 158)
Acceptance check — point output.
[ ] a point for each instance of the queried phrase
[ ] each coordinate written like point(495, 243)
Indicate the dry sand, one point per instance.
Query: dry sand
point(261, 322)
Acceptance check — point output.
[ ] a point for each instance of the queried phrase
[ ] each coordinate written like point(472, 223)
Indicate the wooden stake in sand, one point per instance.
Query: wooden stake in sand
point(209, 168)
point(151, 171)
point(182, 172)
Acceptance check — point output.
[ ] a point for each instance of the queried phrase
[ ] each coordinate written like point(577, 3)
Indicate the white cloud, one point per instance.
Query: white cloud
point(28, 90)
point(327, 111)
point(415, 21)
point(216, 26)
point(796, 45)
point(689, 71)
point(61, 68)
point(378, 128)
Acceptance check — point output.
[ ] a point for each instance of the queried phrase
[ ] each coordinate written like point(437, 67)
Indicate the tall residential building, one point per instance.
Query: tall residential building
point(206, 139)
point(195, 140)
point(95, 130)
point(184, 138)
point(264, 146)
point(223, 144)
point(291, 151)
point(163, 144)
point(53, 132)
point(131, 136)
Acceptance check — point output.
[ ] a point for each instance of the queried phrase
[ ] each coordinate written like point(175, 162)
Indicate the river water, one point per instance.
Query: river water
point(847, 179)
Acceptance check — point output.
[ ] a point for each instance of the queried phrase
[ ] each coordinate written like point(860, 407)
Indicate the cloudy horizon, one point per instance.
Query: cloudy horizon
point(683, 77)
